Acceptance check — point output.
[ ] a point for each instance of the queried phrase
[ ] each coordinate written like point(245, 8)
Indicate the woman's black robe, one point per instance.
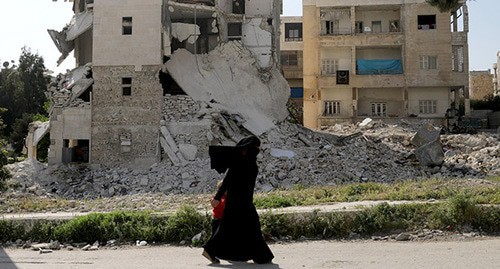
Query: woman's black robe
point(239, 237)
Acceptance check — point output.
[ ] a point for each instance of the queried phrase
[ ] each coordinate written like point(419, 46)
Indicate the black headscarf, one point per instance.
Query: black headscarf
point(223, 157)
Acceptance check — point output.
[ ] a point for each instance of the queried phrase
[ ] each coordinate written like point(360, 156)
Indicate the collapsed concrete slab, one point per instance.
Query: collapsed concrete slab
point(229, 78)
point(430, 154)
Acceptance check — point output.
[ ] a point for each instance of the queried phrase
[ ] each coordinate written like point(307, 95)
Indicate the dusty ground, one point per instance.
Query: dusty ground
point(466, 253)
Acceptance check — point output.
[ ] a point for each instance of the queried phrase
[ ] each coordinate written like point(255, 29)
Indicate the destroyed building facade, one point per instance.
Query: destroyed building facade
point(384, 59)
point(148, 73)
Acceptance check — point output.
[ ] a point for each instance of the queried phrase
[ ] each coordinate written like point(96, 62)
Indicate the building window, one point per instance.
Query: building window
point(457, 58)
point(427, 106)
point(238, 6)
point(293, 31)
point(332, 108)
point(394, 26)
point(379, 109)
point(289, 58)
point(359, 27)
point(329, 66)
point(376, 26)
point(127, 86)
point(428, 62)
point(332, 27)
point(126, 25)
point(426, 22)
point(234, 31)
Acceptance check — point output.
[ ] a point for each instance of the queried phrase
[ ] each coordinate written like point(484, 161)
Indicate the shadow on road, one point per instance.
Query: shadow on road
point(246, 265)
point(5, 261)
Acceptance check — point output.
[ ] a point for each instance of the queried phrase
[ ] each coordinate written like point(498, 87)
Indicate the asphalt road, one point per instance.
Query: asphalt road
point(474, 253)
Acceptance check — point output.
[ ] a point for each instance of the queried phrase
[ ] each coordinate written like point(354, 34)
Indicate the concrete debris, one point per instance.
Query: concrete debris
point(229, 76)
point(384, 153)
point(183, 31)
point(429, 150)
point(64, 47)
point(79, 24)
point(430, 154)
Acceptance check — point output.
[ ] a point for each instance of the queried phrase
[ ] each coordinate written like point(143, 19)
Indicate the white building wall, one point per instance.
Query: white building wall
point(258, 40)
point(111, 48)
point(258, 8)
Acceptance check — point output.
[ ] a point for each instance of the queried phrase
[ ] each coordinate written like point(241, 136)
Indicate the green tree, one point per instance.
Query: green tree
point(4, 174)
point(23, 87)
point(20, 131)
point(22, 93)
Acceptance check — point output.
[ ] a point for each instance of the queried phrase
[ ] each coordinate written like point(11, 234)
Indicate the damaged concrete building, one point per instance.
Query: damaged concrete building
point(150, 75)
point(384, 59)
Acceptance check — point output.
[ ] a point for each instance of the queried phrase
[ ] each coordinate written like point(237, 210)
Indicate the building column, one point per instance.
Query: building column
point(466, 101)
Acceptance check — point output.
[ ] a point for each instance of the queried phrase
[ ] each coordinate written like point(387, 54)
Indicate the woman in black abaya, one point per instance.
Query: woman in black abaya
point(239, 237)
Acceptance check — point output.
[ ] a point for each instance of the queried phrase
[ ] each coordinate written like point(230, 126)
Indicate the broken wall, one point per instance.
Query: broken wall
point(229, 78)
point(125, 129)
point(69, 123)
point(112, 47)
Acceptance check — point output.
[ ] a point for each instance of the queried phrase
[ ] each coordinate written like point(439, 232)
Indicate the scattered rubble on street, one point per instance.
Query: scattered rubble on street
point(291, 155)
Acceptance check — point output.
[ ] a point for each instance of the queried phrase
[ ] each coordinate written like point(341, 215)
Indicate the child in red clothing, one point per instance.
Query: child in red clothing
point(217, 213)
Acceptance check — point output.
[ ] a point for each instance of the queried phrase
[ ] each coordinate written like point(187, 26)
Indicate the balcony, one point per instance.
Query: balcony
point(379, 67)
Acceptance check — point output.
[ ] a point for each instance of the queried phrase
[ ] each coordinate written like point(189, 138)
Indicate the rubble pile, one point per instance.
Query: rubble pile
point(291, 155)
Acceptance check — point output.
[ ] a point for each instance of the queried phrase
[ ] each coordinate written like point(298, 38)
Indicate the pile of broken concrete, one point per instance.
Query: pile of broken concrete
point(291, 155)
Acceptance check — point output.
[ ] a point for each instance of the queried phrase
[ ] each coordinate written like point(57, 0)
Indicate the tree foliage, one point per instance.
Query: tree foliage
point(4, 174)
point(23, 87)
point(444, 5)
point(22, 93)
point(490, 102)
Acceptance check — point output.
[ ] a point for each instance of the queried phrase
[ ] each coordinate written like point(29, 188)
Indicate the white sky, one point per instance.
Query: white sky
point(25, 22)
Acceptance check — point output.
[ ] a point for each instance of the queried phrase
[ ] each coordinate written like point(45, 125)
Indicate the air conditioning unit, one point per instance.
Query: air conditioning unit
point(343, 77)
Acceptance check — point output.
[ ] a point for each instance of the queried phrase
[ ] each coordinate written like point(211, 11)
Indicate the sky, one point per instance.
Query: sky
point(25, 23)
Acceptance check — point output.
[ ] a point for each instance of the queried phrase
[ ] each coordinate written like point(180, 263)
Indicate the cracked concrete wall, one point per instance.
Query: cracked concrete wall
point(125, 129)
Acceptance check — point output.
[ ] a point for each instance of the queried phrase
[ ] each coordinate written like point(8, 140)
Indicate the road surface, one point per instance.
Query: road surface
point(473, 253)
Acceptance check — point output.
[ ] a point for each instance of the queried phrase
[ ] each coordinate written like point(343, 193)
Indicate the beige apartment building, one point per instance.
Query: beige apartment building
point(291, 60)
point(480, 84)
point(383, 59)
point(137, 60)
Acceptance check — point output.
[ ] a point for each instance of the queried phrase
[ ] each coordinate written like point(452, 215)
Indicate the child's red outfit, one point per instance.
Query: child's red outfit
point(217, 213)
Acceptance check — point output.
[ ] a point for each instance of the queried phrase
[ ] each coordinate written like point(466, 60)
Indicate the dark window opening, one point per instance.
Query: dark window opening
point(82, 151)
point(426, 22)
point(126, 25)
point(126, 86)
point(293, 31)
point(75, 150)
point(169, 85)
point(234, 31)
point(85, 96)
point(239, 6)
point(289, 58)
point(359, 27)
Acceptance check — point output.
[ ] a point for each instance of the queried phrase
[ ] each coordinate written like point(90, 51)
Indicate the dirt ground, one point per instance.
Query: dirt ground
point(468, 253)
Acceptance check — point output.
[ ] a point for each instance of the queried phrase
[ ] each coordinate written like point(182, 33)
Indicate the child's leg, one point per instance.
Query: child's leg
point(215, 226)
